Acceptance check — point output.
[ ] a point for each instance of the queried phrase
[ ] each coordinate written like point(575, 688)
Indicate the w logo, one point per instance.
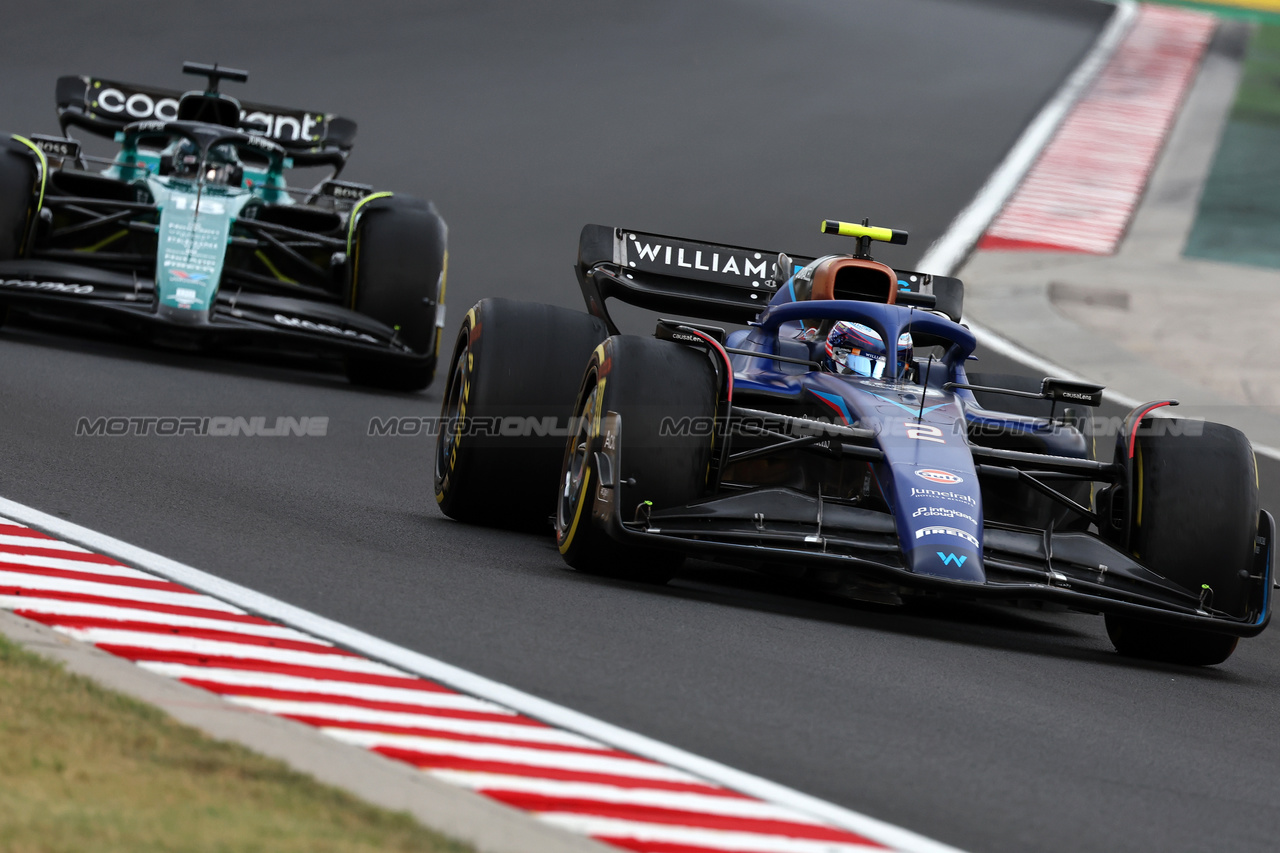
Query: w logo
point(948, 559)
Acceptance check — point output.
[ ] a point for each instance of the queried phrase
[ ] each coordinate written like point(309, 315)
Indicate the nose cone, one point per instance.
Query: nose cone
point(942, 559)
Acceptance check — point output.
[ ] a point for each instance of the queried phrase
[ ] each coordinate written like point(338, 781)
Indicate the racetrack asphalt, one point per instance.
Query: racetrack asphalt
point(747, 122)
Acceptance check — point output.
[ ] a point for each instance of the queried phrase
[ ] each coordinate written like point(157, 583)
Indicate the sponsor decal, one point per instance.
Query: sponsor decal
point(57, 147)
point(943, 512)
point(49, 286)
point(208, 205)
point(128, 103)
point(194, 277)
point(345, 190)
point(299, 323)
point(948, 559)
point(947, 531)
point(704, 261)
point(123, 101)
point(937, 494)
point(933, 475)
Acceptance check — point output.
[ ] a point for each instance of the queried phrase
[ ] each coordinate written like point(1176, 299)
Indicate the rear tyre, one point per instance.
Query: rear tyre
point(1195, 522)
point(18, 176)
point(513, 377)
point(646, 382)
point(399, 262)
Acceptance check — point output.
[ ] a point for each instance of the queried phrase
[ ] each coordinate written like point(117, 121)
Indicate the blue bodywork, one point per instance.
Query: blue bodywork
point(928, 477)
point(877, 488)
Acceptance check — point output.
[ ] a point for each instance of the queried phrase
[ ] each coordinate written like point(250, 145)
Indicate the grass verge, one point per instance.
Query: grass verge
point(83, 768)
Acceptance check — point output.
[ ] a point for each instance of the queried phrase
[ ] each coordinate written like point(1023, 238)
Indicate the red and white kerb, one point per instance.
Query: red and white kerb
point(1083, 190)
point(557, 776)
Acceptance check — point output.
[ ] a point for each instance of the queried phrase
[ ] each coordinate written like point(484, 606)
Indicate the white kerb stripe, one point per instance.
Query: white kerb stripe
point(717, 839)
point(629, 767)
point(220, 648)
point(38, 583)
point(54, 607)
point(49, 544)
point(298, 684)
point(9, 559)
point(711, 804)
point(478, 728)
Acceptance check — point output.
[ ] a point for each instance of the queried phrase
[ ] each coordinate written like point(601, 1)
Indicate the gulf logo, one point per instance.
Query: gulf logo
point(933, 475)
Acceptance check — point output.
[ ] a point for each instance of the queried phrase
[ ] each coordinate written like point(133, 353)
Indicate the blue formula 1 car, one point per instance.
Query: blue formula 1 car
point(189, 236)
point(839, 441)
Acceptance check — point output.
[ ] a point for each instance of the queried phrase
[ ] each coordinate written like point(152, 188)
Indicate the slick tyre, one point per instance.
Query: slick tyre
point(399, 266)
point(1195, 519)
point(18, 181)
point(645, 382)
point(512, 381)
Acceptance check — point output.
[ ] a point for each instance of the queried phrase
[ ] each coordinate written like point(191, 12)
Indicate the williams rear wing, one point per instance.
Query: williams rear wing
point(708, 280)
point(104, 107)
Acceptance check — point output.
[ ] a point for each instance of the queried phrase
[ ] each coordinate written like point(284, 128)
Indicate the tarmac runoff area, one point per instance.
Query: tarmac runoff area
point(1147, 319)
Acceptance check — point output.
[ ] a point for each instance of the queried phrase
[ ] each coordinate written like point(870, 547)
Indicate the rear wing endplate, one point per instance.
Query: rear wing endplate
point(710, 281)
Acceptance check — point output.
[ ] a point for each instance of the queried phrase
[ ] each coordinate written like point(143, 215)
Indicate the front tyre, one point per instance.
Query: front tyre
point(1195, 519)
point(18, 184)
point(648, 384)
point(400, 263)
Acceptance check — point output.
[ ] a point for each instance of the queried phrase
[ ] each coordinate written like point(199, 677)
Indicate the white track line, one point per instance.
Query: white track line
point(950, 250)
point(460, 679)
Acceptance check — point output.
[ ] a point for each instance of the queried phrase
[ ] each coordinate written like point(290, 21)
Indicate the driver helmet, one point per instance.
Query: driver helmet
point(221, 166)
point(853, 348)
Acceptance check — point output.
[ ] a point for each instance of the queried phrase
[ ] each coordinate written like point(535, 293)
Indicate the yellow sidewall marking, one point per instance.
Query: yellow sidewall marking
point(44, 165)
point(585, 491)
point(351, 233)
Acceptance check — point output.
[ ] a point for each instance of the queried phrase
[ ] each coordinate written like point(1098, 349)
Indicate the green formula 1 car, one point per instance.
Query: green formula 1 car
point(189, 236)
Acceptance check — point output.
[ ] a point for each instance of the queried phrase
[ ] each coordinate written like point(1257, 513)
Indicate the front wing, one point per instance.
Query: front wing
point(858, 548)
point(127, 302)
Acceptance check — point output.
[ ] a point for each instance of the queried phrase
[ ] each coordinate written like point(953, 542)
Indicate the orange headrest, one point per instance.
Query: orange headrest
point(855, 278)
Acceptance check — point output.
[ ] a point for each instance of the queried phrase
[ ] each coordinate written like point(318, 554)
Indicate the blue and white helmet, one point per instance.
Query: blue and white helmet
point(853, 348)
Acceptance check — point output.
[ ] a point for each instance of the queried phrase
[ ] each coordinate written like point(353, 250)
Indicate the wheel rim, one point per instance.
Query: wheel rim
point(574, 471)
point(449, 413)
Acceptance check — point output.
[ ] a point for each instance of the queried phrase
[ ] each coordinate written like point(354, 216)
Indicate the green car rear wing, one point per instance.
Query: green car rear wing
point(103, 107)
